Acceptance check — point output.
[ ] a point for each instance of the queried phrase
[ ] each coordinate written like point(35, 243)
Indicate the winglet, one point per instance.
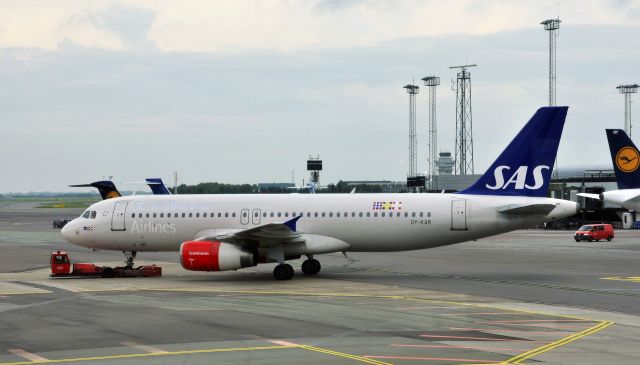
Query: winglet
point(291, 223)
point(626, 159)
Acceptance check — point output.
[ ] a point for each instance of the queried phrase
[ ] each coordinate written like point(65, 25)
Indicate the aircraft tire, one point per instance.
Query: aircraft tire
point(283, 272)
point(311, 267)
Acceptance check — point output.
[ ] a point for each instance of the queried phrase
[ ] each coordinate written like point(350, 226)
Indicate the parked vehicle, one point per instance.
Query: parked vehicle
point(59, 223)
point(597, 232)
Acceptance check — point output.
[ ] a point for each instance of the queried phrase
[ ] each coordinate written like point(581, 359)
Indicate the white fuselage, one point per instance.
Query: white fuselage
point(360, 222)
point(626, 198)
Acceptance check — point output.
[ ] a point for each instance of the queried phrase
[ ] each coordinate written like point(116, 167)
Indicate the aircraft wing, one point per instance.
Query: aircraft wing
point(262, 236)
point(590, 196)
point(530, 209)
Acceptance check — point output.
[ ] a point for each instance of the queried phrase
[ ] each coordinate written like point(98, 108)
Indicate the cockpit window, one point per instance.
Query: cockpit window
point(93, 214)
point(86, 214)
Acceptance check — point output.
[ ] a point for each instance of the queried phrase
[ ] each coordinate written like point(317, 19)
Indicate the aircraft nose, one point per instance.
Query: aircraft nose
point(67, 231)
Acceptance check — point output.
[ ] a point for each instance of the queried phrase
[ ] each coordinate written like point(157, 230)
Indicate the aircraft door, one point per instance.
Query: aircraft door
point(255, 218)
point(244, 216)
point(458, 215)
point(117, 219)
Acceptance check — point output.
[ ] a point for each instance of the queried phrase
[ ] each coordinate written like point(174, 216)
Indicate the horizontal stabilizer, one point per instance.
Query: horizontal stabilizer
point(531, 209)
point(590, 196)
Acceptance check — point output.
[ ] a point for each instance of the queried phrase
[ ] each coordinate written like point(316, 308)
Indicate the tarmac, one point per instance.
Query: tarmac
point(530, 296)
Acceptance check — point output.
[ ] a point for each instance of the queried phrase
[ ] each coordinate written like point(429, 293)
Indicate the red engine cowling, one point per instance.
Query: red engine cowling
point(215, 256)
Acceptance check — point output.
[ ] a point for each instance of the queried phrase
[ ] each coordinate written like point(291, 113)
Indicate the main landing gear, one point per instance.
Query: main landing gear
point(284, 271)
point(311, 266)
point(129, 257)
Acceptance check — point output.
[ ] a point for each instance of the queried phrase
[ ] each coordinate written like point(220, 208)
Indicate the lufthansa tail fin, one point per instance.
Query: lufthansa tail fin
point(106, 188)
point(625, 158)
point(524, 167)
point(157, 186)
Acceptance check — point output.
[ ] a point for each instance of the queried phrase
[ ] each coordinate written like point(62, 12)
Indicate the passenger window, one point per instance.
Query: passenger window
point(204, 215)
point(353, 214)
point(264, 215)
point(413, 214)
point(338, 214)
point(406, 214)
point(175, 215)
point(368, 214)
point(133, 215)
point(226, 215)
point(315, 214)
point(161, 215)
point(323, 214)
point(139, 215)
point(375, 214)
point(154, 215)
point(286, 214)
point(219, 214)
point(197, 215)
point(390, 214)
point(244, 214)
point(184, 215)
point(428, 214)
point(382, 214)
point(360, 214)
point(330, 214)
point(190, 215)
point(233, 215)
point(147, 215)
point(272, 214)
point(421, 214)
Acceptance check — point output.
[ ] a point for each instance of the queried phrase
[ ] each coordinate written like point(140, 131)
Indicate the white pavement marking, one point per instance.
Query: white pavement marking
point(146, 348)
point(12, 288)
point(27, 355)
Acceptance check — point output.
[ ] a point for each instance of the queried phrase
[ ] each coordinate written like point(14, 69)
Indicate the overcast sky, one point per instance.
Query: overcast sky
point(243, 91)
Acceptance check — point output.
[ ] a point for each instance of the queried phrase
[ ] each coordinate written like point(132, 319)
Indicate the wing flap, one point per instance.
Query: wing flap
point(262, 236)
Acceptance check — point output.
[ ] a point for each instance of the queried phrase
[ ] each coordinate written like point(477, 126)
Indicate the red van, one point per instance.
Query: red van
point(590, 232)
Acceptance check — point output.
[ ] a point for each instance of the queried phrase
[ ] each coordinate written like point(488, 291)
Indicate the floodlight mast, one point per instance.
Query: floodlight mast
point(627, 90)
point(412, 90)
point(552, 26)
point(432, 145)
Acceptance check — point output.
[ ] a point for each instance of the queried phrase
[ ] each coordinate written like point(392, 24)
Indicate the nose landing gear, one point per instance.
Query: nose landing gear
point(129, 257)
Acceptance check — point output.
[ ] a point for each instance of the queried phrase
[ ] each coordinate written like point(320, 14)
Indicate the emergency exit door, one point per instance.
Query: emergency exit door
point(458, 215)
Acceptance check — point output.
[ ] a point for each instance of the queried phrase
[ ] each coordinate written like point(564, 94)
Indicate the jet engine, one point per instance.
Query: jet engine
point(215, 256)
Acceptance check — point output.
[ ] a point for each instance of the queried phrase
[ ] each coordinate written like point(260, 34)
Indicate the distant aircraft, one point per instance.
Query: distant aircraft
point(108, 190)
point(157, 186)
point(229, 232)
point(626, 164)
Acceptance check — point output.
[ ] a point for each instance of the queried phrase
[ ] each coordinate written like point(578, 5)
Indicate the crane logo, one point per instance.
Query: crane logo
point(627, 159)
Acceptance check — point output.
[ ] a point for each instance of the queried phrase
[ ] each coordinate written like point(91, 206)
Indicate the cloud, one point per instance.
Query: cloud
point(130, 23)
point(256, 115)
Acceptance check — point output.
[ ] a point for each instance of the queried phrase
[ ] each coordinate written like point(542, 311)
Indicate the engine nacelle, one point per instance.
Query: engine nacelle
point(215, 256)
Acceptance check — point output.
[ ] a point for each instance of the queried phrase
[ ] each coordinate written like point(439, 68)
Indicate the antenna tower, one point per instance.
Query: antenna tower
point(464, 128)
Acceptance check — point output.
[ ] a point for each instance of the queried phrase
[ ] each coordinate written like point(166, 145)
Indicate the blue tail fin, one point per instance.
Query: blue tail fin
point(524, 167)
point(157, 186)
point(106, 188)
point(625, 158)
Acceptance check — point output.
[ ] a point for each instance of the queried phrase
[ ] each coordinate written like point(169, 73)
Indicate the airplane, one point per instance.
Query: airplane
point(626, 163)
point(230, 232)
point(108, 190)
